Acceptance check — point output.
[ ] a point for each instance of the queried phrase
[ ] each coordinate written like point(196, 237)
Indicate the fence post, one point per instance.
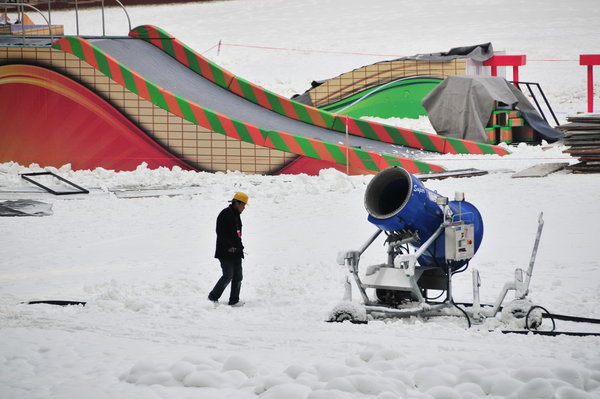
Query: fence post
point(514, 61)
point(590, 60)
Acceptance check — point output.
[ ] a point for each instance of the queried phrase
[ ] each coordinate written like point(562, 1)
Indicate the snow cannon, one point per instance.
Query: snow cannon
point(399, 203)
point(429, 239)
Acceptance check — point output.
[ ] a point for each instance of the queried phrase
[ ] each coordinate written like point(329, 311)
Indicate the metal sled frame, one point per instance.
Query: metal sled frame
point(80, 190)
point(413, 272)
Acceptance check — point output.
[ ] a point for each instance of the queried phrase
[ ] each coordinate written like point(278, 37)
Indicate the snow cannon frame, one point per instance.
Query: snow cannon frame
point(429, 238)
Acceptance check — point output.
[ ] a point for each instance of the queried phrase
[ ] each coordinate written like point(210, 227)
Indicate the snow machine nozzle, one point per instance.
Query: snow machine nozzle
point(398, 202)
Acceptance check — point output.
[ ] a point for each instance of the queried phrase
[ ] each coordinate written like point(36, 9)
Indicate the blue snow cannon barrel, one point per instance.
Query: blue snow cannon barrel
point(396, 201)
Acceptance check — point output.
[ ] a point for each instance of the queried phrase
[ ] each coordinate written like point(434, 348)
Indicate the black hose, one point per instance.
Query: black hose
point(464, 312)
point(574, 318)
point(544, 309)
point(461, 269)
point(448, 273)
point(56, 302)
point(437, 297)
point(552, 333)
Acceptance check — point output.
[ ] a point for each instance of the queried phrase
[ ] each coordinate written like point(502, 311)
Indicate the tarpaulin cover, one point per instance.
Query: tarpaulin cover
point(478, 52)
point(25, 207)
point(461, 107)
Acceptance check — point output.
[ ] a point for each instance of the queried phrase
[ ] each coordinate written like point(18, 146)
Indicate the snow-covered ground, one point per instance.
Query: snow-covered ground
point(144, 265)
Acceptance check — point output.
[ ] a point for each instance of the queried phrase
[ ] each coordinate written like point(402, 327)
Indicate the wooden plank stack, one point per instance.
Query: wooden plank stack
point(582, 135)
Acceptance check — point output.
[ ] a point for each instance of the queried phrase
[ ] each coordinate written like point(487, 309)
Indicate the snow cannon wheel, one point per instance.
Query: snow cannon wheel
point(393, 297)
point(348, 311)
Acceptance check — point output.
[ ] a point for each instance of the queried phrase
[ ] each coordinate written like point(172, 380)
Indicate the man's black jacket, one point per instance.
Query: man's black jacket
point(229, 234)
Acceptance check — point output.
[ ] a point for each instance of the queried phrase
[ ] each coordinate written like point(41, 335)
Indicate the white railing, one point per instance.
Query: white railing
point(21, 12)
point(21, 4)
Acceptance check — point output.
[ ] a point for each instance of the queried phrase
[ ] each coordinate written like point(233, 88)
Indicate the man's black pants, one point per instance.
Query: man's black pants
point(232, 273)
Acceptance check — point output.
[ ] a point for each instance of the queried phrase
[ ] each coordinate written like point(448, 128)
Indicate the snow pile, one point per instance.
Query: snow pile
point(375, 373)
point(143, 177)
point(421, 123)
point(232, 372)
point(522, 156)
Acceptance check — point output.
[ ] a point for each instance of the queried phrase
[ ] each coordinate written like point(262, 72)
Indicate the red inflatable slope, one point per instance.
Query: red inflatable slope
point(48, 119)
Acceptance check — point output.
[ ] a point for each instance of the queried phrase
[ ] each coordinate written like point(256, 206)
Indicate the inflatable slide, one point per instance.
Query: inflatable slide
point(118, 102)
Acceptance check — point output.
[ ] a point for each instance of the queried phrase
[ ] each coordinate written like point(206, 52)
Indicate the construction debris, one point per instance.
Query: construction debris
point(541, 170)
point(582, 136)
point(471, 172)
point(25, 207)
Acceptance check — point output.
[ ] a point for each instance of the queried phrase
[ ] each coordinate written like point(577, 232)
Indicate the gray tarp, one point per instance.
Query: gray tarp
point(461, 107)
point(25, 207)
point(478, 52)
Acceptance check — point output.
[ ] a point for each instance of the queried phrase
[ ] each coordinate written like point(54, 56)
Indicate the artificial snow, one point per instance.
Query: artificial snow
point(144, 265)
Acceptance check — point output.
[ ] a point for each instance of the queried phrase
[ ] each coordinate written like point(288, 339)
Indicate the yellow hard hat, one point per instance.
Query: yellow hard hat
point(242, 197)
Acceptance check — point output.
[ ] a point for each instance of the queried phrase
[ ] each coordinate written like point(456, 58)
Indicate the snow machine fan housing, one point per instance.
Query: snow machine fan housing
point(399, 202)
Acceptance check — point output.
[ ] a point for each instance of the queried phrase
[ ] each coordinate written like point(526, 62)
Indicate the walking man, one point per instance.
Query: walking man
point(230, 250)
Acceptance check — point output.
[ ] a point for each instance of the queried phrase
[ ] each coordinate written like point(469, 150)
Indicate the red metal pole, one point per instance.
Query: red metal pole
point(506, 60)
point(590, 87)
point(590, 60)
